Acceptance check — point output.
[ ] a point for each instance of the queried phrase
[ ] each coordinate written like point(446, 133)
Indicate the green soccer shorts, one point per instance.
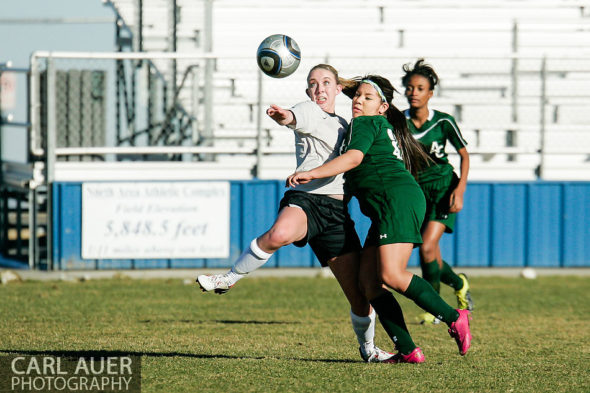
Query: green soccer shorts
point(396, 215)
point(438, 193)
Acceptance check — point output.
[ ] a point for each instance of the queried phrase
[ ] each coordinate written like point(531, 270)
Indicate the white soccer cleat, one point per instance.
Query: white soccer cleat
point(219, 283)
point(377, 356)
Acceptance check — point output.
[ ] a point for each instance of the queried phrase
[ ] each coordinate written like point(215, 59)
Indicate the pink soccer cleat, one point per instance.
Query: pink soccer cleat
point(460, 331)
point(416, 356)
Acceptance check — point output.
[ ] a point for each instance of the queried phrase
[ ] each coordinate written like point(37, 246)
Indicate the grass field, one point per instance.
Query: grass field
point(294, 335)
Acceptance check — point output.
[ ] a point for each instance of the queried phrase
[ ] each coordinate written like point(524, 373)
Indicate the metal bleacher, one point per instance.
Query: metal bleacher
point(476, 59)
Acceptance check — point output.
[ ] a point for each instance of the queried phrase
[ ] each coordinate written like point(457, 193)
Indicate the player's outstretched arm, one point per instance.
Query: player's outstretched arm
point(282, 116)
point(347, 161)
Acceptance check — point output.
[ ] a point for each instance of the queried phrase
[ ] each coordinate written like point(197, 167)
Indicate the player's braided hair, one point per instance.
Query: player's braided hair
point(412, 151)
point(420, 68)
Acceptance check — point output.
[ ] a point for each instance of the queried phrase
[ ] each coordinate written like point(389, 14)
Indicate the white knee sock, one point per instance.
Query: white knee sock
point(364, 328)
point(251, 259)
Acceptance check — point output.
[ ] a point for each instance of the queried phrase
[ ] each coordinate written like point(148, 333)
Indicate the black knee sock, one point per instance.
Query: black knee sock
point(431, 273)
point(448, 276)
point(424, 296)
point(392, 319)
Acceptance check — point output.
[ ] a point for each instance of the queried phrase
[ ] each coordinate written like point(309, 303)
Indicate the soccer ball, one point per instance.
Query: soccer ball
point(278, 55)
point(529, 273)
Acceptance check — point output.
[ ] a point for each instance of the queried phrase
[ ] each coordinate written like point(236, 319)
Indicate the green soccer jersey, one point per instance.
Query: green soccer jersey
point(434, 134)
point(382, 164)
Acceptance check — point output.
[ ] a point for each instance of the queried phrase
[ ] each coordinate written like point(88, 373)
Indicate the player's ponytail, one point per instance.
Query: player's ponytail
point(413, 153)
point(349, 86)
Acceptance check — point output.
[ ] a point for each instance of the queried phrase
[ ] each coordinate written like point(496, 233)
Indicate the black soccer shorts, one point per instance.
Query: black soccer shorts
point(330, 230)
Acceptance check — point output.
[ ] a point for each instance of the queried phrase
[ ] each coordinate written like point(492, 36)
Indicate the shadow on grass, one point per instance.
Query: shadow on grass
point(225, 321)
point(257, 322)
point(93, 353)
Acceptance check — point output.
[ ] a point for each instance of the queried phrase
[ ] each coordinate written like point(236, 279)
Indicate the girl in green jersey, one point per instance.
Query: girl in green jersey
point(379, 156)
point(442, 188)
point(314, 213)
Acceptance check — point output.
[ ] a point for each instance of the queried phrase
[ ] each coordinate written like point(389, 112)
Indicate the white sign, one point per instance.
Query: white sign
point(166, 220)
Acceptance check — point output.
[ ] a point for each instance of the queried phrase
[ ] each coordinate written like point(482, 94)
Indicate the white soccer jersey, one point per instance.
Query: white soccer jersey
point(318, 136)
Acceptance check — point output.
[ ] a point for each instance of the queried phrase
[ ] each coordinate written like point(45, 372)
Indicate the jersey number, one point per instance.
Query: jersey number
point(396, 151)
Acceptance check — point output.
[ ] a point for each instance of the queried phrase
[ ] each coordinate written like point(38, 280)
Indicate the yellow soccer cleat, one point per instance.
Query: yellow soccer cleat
point(428, 319)
point(464, 300)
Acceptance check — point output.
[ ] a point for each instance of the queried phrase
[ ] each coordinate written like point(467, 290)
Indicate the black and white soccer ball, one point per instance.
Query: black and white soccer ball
point(278, 55)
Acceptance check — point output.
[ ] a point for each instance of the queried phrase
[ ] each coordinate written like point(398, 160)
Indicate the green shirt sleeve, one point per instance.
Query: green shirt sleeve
point(362, 133)
point(453, 134)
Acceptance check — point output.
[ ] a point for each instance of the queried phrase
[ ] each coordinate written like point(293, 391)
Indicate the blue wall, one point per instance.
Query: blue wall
point(540, 224)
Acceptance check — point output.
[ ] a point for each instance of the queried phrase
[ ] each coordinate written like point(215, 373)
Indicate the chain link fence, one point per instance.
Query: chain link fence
point(511, 109)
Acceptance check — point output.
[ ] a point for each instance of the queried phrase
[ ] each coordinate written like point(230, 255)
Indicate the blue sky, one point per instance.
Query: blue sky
point(19, 40)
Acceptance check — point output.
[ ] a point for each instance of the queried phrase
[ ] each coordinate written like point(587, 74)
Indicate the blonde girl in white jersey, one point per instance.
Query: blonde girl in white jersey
point(316, 212)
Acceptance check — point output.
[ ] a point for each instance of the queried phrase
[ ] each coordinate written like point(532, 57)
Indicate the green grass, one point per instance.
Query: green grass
point(294, 335)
